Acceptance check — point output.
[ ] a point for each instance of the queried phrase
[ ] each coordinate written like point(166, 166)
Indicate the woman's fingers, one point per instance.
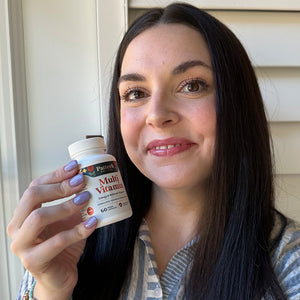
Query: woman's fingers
point(40, 218)
point(43, 253)
point(65, 172)
point(35, 195)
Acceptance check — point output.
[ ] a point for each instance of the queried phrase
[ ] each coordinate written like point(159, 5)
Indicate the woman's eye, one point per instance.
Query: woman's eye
point(193, 86)
point(133, 94)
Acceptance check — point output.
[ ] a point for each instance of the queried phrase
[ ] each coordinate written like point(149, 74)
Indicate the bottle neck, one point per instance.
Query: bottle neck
point(91, 152)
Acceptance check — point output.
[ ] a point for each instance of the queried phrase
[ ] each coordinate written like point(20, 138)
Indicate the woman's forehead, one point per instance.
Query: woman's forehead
point(165, 44)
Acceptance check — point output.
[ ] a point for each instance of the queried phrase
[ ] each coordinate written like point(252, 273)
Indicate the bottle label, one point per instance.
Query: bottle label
point(108, 194)
point(100, 169)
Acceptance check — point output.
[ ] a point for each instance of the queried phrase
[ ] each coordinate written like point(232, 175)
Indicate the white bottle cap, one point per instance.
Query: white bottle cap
point(86, 144)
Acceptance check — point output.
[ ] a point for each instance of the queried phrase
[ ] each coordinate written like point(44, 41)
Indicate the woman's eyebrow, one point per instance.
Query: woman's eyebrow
point(189, 64)
point(179, 69)
point(131, 77)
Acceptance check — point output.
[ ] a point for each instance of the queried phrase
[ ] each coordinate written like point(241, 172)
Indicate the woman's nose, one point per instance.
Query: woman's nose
point(161, 111)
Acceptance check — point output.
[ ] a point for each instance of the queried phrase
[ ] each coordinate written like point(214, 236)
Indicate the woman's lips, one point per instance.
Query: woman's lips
point(169, 147)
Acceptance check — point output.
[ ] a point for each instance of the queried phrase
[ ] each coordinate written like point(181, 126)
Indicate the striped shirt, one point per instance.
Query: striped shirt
point(145, 283)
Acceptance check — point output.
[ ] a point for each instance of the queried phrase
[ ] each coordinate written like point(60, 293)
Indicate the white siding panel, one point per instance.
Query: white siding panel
point(271, 38)
point(286, 138)
point(280, 89)
point(288, 195)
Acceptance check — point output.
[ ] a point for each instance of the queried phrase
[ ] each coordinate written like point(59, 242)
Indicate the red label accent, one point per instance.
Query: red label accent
point(90, 211)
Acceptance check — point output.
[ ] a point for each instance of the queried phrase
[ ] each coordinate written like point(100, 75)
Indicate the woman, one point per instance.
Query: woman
point(188, 128)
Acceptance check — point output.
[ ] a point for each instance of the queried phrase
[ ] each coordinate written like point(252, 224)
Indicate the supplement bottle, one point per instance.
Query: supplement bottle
point(109, 202)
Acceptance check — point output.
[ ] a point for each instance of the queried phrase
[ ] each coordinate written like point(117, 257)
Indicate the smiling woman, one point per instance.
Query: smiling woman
point(189, 131)
point(168, 118)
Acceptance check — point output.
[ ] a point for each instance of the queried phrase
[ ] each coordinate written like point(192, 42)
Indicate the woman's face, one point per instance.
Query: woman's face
point(168, 117)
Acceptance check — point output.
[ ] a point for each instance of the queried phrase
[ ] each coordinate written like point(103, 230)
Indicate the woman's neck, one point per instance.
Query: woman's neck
point(180, 204)
point(173, 220)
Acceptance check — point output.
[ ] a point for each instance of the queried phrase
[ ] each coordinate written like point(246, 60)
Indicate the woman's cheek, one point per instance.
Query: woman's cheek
point(129, 125)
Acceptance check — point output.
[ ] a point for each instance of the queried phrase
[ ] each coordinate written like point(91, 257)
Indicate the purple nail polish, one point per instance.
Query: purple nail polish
point(81, 198)
point(70, 166)
point(91, 222)
point(76, 180)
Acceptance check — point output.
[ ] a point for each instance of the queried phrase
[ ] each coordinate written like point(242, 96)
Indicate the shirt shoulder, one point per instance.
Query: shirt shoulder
point(286, 260)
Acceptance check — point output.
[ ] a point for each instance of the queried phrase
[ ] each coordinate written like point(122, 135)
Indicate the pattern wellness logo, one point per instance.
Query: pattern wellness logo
point(100, 169)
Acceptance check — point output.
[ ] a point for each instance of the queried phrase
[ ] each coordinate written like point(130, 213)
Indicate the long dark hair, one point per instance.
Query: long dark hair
point(233, 253)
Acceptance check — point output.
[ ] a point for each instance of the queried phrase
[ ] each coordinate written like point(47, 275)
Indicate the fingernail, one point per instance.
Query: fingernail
point(76, 180)
point(81, 198)
point(70, 166)
point(91, 222)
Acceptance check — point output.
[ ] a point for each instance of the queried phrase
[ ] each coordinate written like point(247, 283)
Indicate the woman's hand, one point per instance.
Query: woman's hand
point(50, 239)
